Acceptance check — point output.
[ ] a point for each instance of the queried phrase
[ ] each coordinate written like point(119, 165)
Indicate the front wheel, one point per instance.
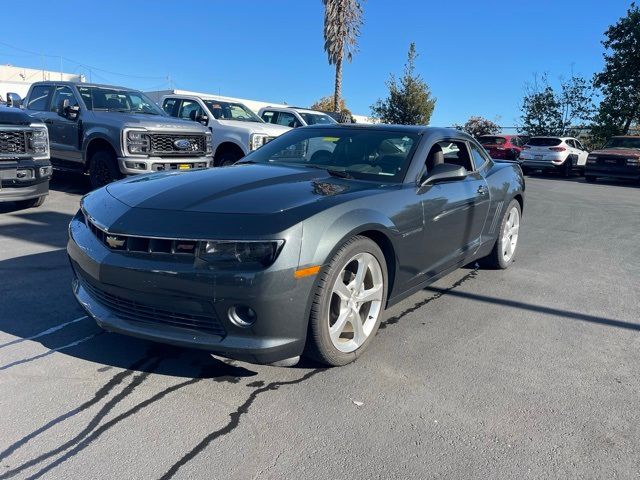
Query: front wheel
point(103, 169)
point(348, 303)
point(504, 249)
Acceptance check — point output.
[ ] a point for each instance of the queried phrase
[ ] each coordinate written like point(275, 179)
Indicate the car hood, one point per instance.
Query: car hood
point(238, 189)
point(256, 127)
point(15, 116)
point(150, 122)
point(622, 152)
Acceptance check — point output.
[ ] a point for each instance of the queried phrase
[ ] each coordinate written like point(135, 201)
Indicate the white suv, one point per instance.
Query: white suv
point(563, 154)
point(294, 117)
point(236, 129)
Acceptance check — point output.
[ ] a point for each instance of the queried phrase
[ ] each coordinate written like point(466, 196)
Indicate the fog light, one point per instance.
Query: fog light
point(24, 174)
point(136, 165)
point(45, 171)
point(242, 316)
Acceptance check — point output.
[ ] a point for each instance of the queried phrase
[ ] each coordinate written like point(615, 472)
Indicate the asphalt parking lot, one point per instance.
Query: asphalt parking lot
point(531, 372)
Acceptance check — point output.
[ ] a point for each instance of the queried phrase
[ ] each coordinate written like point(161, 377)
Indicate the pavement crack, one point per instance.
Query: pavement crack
point(396, 318)
point(234, 420)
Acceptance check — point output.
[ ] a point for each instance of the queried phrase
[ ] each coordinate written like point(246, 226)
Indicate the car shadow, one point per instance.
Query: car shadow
point(38, 306)
point(70, 182)
point(36, 226)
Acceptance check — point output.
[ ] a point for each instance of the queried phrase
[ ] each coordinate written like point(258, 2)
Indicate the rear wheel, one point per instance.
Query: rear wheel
point(504, 250)
point(227, 157)
point(567, 167)
point(103, 169)
point(348, 303)
point(590, 178)
point(32, 202)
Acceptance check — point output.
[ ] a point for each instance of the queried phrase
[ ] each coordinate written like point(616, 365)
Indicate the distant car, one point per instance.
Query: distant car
point(237, 131)
point(25, 169)
point(619, 158)
point(279, 255)
point(503, 147)
point(294, 117)
point(561, 154)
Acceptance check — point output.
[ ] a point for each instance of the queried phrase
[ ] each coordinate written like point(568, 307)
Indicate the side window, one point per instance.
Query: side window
point(452, 152)
point(479, 157)
point(288, 120)
point(189, 110)
point(269, 116)
point(169, 105)
point(61, 94)
point(570, 143)
point(578, 145)
point(38, 100)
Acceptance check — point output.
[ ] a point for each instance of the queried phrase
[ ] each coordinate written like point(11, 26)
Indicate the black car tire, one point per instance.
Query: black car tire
point(495, 259)
point(319, 345)
point(103, 169)
point(228, 157)
point(32, 202)
point(567, 167)
point(590, 178)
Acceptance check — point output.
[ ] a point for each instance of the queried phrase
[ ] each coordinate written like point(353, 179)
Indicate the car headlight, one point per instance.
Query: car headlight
point(138, 142)
point(228, 253)
point(39, 142)
point(257, 140)
point(208, 140)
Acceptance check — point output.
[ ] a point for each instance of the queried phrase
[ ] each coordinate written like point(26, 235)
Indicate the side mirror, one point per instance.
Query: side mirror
point(68, 111)
point(14, 100)
point(444, 172)
point(203, 119)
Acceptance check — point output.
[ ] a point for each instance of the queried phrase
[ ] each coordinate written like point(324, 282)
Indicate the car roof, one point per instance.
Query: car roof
point(83, 84)
point(413, 129)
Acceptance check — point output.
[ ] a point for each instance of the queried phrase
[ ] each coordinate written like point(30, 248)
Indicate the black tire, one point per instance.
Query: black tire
point(495, 260)
point(590, 178)
point(32, 202)
point(227, 157)
point(567, 167)
point(103, 169)
point(319, 345)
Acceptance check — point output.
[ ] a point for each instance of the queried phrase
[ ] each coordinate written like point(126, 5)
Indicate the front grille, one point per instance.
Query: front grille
point(13, 142)
point(135, 244)
point(145, 313)
point(165, 144)
point(612, 160)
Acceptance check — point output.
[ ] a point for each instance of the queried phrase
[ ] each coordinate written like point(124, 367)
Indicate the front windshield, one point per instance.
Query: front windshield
point(362, 153)
point(317, 118)
point(623, 142)
point(115, 100)
point(231, 111)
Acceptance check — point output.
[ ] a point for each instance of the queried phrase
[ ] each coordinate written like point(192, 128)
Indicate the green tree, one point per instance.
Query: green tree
point(478, 126)
point(326, 104)
point(619, 81)
point(342, 21)
point(410, 101)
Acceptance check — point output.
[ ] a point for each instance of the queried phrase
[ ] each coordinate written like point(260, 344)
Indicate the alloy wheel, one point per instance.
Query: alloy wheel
point(356, 302)
point(510, 234)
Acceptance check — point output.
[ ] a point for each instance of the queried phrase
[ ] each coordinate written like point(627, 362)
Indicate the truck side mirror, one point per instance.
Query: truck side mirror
point(203, 119)
point(68, 111)
point(14, 100)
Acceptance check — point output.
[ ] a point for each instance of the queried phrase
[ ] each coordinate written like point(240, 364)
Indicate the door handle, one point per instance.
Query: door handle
point(482, 190)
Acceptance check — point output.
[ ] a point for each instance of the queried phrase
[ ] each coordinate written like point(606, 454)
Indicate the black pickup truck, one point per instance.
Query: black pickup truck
point(25, 169)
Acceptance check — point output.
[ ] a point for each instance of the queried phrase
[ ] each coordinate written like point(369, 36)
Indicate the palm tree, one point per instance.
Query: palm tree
point(342, 20)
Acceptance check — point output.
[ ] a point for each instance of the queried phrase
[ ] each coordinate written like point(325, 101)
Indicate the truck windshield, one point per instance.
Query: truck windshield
point(623, 142)
point(113, 100)
point(231, 111)
point(316, 118)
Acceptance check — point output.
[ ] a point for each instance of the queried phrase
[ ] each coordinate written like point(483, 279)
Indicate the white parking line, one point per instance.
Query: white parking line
point(43, 333)
point(49, 352)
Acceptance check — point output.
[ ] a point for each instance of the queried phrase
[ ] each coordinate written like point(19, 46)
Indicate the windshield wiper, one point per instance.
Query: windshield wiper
point(331, 171)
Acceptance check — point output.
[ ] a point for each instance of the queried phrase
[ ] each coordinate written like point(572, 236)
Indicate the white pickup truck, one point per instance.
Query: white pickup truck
point(236, 129)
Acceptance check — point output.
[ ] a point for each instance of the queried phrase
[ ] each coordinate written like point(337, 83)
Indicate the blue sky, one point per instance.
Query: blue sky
point(476, 56)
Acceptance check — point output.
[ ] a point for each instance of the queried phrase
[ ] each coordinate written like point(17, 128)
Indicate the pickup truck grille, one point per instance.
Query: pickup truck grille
point(165, 144)
point(612, 160)
point(13, 142)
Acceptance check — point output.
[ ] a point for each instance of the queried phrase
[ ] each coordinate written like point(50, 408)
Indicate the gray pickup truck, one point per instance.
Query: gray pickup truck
point(25, 170)
point(110, 132)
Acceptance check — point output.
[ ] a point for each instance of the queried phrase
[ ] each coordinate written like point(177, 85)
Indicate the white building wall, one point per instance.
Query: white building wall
point(19, 79)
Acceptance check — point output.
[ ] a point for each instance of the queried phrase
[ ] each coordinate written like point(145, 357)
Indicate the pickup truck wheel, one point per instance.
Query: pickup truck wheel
point(103, 169)
point(32, 202)
point(228, 157)
point(504, 249)
point(348, 303)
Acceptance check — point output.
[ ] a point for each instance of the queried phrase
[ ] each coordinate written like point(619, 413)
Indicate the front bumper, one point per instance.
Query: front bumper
point(182, 302)
point(137, 165)
point(631, 172)
point(14, 189)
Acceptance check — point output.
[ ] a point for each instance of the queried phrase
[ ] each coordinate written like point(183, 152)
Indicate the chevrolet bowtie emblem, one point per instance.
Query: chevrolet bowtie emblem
point(114, 242)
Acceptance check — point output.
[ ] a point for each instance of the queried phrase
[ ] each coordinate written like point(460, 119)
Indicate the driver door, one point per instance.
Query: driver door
point(454, 212)
point(63, 132)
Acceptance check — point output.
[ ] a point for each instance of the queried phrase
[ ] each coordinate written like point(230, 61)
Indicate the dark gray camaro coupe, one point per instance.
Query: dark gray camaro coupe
point(299, 247)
